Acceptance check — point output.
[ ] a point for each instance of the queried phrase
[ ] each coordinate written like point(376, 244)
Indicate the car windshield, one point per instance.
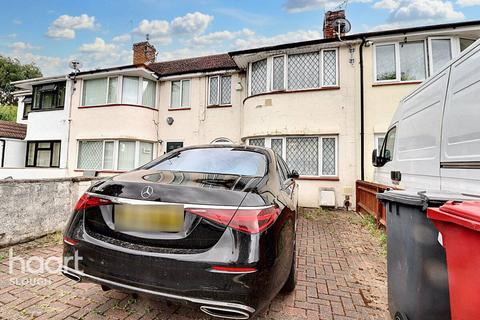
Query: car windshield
point(214, 160)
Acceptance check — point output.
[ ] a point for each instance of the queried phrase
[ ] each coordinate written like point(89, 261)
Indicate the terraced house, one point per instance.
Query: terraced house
point(324, 105)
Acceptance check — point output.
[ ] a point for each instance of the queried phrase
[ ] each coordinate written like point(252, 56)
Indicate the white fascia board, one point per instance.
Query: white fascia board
point(28, 83)
point(423, 34)
point(142, 72)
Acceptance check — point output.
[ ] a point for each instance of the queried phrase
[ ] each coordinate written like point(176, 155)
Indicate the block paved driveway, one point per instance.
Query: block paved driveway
point(341, 275)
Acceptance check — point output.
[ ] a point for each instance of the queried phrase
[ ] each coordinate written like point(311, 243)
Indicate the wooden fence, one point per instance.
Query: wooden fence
point(367, 202)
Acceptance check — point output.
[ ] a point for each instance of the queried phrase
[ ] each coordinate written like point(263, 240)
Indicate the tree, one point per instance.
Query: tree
point(13, 70)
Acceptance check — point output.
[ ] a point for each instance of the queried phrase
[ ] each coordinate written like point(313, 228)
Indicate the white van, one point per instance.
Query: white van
point(433, 141)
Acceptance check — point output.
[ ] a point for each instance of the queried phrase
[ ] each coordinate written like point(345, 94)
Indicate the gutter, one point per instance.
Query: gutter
point(362, 113)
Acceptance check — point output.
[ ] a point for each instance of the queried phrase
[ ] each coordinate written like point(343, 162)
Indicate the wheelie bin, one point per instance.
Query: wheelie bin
point(459, 225)
point(416, 261)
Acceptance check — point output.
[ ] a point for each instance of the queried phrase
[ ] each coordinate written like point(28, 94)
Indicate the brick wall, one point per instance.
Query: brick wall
point(330, 17)
point(33, 208)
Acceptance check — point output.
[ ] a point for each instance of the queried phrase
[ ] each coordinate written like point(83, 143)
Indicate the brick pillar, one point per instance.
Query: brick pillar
point(330, 17)
point(143, 53)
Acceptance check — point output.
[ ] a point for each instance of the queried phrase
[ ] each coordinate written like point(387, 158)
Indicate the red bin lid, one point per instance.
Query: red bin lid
point(465, 213)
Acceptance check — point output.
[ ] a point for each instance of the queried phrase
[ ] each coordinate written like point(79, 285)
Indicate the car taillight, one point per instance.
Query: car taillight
point(246, 220)
point(87, 201)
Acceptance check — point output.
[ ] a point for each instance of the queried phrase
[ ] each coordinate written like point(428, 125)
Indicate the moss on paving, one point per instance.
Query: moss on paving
point(371, 225)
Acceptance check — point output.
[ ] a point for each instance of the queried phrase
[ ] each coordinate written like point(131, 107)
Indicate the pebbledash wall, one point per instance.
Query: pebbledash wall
point(33, 208)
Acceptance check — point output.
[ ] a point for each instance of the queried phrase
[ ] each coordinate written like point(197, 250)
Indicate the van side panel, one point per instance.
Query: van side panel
point(460, 156)
point(418, 135)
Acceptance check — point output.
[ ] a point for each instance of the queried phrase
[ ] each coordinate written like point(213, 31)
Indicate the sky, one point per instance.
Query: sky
point(100, 33)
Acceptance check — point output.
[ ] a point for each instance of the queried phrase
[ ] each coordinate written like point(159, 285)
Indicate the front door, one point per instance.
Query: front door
point(174, 145)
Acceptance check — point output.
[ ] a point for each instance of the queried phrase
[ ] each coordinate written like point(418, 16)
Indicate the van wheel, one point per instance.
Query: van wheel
point(400, 316)
point(289, 286)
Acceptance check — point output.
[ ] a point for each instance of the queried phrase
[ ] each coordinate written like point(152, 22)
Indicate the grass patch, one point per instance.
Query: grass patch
point(369, 222)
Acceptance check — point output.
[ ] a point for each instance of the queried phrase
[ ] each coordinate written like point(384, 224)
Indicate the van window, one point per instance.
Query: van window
point(389, 145)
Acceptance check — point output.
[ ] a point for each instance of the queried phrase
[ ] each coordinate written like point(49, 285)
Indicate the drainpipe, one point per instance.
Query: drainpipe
point(362, 113)
point(4, 143)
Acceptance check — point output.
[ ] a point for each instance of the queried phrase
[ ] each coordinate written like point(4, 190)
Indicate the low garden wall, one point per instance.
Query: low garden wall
point(33, 208)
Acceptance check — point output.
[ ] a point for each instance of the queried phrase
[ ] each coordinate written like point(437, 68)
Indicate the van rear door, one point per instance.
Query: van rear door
point(460, 157)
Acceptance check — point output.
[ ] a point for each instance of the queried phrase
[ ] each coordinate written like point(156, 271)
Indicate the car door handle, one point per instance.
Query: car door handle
point(396, 176)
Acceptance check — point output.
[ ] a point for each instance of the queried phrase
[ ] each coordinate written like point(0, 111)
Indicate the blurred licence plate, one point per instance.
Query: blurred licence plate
point(149, 218)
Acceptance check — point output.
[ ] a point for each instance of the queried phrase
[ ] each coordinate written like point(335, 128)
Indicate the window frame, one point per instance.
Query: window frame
point(41, 108)
point(322, 66)
point(270, 73)
point(181, 106)
point(51, 149)
point(116, 143)
point(120, 84)
point(268, 141)
point(269, 78)
point(24, 113)
point(397, 62)
point(430, 51)
point(219, 90)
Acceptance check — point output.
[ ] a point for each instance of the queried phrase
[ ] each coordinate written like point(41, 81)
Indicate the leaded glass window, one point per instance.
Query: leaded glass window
point(259, 77)
point(329, 67)
point(328, 157)
point(278, 73)
point(303, 71)
point(302, 155)
point(258, 142)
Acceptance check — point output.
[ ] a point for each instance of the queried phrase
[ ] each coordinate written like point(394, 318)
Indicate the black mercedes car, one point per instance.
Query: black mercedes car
point(212, 226)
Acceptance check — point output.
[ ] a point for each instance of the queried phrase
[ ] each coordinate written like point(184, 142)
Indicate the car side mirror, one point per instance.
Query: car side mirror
point(375, 158)
point(293, 174)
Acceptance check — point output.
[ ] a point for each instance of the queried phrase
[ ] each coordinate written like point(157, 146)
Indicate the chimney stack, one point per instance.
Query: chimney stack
point(144, 53)
point(330, 17)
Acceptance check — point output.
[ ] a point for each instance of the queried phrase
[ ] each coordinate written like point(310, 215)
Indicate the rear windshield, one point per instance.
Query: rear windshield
point(215, 160)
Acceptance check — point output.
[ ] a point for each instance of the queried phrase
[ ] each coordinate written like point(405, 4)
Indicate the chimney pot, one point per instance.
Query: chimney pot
point(144, 53)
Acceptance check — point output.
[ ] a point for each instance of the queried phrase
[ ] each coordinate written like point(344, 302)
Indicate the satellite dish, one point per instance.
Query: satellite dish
point(75, 65)
point(342, 26)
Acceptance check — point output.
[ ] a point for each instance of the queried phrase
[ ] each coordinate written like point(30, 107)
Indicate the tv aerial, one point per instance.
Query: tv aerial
point(341, 26)
point(75, 65)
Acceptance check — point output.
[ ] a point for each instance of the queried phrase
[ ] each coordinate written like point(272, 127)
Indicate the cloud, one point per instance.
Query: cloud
point(310, 5)
point(219, 37)
point(122, 38)
point(158, 30)
point(17, 21)
point(190, 23)
point(405, 13)
point(21, 46)
point(64, 26)
point(100, 54)
point(162, 31)
point(468, 3)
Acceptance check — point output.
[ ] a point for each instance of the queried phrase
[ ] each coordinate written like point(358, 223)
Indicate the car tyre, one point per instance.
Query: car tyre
point(289, 286)
point(400, 316)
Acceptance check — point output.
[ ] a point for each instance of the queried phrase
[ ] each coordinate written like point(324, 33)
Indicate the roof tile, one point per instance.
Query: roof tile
point(12, 130)
point(191, 65)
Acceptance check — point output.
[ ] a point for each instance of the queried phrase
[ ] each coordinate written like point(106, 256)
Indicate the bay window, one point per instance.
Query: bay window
point(113, 154)
point(27, 106)
point(49, 96)
point(219, 90)
point(298, 71)
point(180, 94)
point(133, 91)
point(43, 154)
point(309, 155)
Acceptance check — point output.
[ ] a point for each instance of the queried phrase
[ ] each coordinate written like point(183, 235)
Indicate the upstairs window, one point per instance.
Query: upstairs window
point(219, 90)
point(386, 65)
point(180, 94)
point(258, 81)
point(465, 43)
point(27, 106)
point(49, 96)
point(303, 71)
point(100, 91)
point(134, 91)
point(299, 71)
point(440, 53)
point(412, 61)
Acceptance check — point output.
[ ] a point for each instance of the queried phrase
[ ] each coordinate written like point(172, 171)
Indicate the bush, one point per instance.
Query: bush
point(8, 113)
